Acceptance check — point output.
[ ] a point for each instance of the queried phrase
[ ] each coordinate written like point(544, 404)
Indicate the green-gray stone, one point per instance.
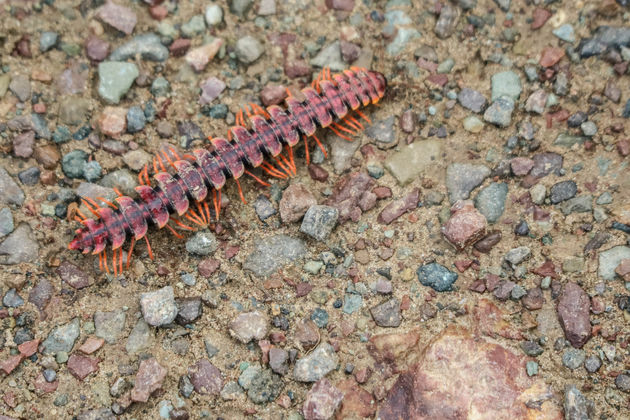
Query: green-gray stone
point(506, 83)
point(115, 79)
point(568, 140)
point(610, 259)
point(491, 201)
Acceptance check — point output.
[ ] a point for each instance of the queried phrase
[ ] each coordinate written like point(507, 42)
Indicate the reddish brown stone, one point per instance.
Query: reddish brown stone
point(573, 313)
point(463, 265)
point(81, 366)
point(445, 384)
point(540, 17)
point(205, 377)
point(91, 345)
point(303, 289)
point(47, 155)
point(113, 121)
point(158, 12)
point(547, 269)
point(28, 348)
point(97, 49)
point(120, 17)
point(491, 321)
point(394, 351)
point(534, 299)
point(345, 5)
point(550, 56)
point(437, 80)
point(208, 266)
point(23, 47)
point(465, 225)
point(521, 166)
point(349, 51)
point(73, 275)
point(382, 192)
point(296, 199)
point(23, 144)
point(362, 375)
point(179, 47)
point(357, 402)
point(623, 147)
point(347, 194)
point(44, 387)
point(317, 173)
point(148, 380)
point(307, 334)
point(321, 401)
point(399, 207)
point(10, 363)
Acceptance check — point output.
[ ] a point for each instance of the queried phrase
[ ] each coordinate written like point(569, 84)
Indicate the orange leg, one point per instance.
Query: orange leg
point(177, 235)
point(308, 156)
point(260, 181)
point(133, 242)
point(149, 247)
point(240, 191)
point(321, 146)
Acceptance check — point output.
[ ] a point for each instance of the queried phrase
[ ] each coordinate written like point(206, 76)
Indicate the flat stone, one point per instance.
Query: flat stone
point(610, 259)
point(148, 380)
point(573, 311)
point(580, 204)
point(445, 380)
point(205, 377)
point(211, 88)
point(576, 406)
point(91, 345)
point(198, 58)
point(140, 338)
point(465, 226)
point(19, 246)
point(562, 191)
point(248, 49)
point(387, 314)
point(120, 17)
point(413, 160)
point(399, 207)
point(249, 326)
point(322, 401)
point(315, 365)
point(21, 87)
point(319, 222)
point(82, 366)
point(500, 112)
point(272, 253)
point(115, 79)
point(202, 243)
point(109, 325)
point(507, 84)
point(10, 192)
point(491, 201)
point(472, 100)
point(296, 200)
point(158, 307)
point(462, 178)
point(330, 56)
point(383, 132)
point(568, 140)
point(447, 21)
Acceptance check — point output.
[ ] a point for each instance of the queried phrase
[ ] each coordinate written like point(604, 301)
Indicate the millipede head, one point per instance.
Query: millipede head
point(82, 241)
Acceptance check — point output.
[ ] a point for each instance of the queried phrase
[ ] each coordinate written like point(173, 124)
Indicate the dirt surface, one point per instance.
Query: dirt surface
point(362, 256)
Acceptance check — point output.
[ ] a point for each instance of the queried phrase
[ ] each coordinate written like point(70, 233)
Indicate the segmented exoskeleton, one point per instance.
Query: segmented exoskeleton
point(199, 177)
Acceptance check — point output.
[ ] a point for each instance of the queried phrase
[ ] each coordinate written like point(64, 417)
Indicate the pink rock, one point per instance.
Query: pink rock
point(550, 56)
point(465, 226)
point(521, 166)
point(347, 194)
point(393, 351)
point(118, 17)
point(491, 321)
point(623, 147)
point(273, 95)
point(199, 57)
point(113, 121)
point(211, 88)
point(28, 348)
point(296, 199)
point(445, 383)
point(573, 313)
point(295, 68)
point(73, 80)
point(349, 51)
point(437, 79)
point(540, 16)
point(357, 402)
point(44, 387)
point(23, 144)
point(205, 377)
point(208, 266)
point(81, 366)
point(73, 275)
point(9, 364)
point(399, 207)
point(148, 380)
point(179, 47)
point(321, 401)
point(249, 326)
point(91, 345)
point(96, 49)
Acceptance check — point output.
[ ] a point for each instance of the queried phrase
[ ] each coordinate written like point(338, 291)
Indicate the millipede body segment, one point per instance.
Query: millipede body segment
point(185, 185)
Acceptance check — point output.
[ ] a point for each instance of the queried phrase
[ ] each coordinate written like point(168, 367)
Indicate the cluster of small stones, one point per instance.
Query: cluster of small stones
point(491, 192)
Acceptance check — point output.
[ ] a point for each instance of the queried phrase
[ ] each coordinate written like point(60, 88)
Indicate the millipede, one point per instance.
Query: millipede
point(185, 185)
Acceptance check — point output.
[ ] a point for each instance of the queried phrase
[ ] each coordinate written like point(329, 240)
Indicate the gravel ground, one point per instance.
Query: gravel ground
point(466, 256)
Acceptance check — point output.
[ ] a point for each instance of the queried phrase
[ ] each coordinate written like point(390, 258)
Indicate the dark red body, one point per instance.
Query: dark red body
point(193, 180)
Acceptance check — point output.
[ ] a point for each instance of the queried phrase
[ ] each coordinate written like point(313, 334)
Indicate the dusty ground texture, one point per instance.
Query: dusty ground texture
point(466, 256)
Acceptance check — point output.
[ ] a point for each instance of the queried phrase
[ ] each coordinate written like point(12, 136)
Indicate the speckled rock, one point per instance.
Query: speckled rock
point(573, 312)
point(198, 58)
point(10, 192)
point(465, 226)
point(462, 178)
point(436, 276)
point(321, 401)
point(109, 325)
point(610, 259)
point(315, 365)
point(202, 243)
point(19, 246)
point(319, 222)
point(148, 379)
point(272, 253)
point(248, 49)
point(249, 326)
point(158, 307)
point(205, 377)
point(491, 201)
point(296, 200)
point(61, 338)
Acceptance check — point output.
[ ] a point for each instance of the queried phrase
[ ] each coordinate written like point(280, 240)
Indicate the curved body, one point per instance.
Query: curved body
point(202, 174)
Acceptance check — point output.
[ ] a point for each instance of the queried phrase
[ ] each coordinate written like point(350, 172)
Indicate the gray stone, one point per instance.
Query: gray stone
point(73, 163)
point(158, 307)
point(272, 253)
point(387, 314)
point(503, 4)
point(515, 256)
point(140, 338)
point(193, 27)
point(135, 119)
point(213, 15)
point(61, 338)
point(148, 46)
point(383, 132)
point(575, 404)
point(403, 36)
point(506, 84)
point(249, 326)
point(10, 192)
point(472, 100)
point(447, 21)
point(491, 201)
point(412, 160)
point(264, 208)
point(592, 364)
point(565, 32)
point(109, 325)
point(265, 387)
point(573, 358)
point(462, 178)
point(12, 299)
point(240, 7)
point(319, 222)
point(248, 49)
point(500, 112)
point(202, 243)
point(317, 364)
point(21, 87)
point(47, 40)
point(6, 222)
point(341, 152)
point(352, 303)
point(19, 246)
point(562, 191)
point(581, 204)
point(115, 79)
point(330, 56)
point(610, 259)
point(567, 140)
